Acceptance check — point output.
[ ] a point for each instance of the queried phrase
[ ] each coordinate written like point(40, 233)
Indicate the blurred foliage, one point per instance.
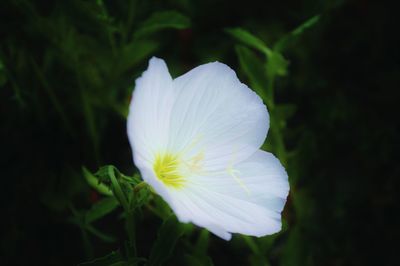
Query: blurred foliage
point(327, 71)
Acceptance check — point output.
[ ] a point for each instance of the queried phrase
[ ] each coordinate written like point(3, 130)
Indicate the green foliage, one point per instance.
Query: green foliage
point(99, 46)
point(262, 75)
point(67, 70)
point(100, 209)
point(249, 39)
point(96, 183)
point(291, 37)
point(168, 234)
point(85, 41)
point(162, 20)
point(254, 69)
point(276, 65)
point(79, 218)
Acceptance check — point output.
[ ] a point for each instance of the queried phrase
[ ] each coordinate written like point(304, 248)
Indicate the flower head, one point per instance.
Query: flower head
point(196, 140)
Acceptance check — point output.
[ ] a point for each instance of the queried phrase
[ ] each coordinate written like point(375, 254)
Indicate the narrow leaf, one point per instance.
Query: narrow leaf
point(254, 70)
point(103, 236)
point(276, 65)
point(282, 44)
point(202, 242)
point(117, 190)
point(100, 209)
point(95, 183)
point(162, 20)
point(307, 24)
point(249, 39)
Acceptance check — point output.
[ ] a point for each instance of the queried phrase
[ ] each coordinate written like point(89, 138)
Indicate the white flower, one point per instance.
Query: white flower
point(196, 141)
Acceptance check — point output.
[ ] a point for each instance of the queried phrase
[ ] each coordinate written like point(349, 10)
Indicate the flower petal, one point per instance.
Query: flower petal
point(217, 116)
point(249, 203)
point(150, 108)
point(205, 128)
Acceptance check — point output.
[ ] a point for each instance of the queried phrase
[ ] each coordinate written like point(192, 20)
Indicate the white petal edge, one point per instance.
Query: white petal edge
point(221, 205)
point(150, 110)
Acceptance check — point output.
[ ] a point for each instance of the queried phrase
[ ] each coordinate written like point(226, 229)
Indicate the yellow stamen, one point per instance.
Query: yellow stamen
point(166, 168)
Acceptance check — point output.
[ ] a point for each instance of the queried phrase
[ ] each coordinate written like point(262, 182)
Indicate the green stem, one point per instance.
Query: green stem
point(117, 190)
point(94, 183)
point(129, 214)
point(275, 125)
point(252, 245)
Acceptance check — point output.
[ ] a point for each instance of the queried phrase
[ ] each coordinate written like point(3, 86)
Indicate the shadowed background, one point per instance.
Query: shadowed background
point(67, 69)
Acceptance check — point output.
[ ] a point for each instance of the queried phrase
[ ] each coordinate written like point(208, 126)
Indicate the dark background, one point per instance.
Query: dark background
point(64, 86)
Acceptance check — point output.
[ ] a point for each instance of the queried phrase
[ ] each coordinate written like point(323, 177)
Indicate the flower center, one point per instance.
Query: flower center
point(166, 169)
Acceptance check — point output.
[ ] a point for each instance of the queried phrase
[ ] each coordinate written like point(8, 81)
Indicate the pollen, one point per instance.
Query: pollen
point(166, 168)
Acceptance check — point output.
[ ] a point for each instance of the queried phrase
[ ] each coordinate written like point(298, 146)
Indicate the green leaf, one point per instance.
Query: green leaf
point(202, 242)
point(254, 70)
point(96, 183)
point(103, 175)
point(110, 259)
point(169, 233)
point(307, 24)
point(134, 53)
point(103, 236)
point(294, 249)
point(251, 243)
point(283, 43)
point(163, 20)
point(80, 219)
point(277, 65)
point(249, 39)
point(100, 209)
point(117, 189)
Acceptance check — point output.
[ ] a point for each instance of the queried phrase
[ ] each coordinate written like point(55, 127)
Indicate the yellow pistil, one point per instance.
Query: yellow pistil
point(166, 167)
